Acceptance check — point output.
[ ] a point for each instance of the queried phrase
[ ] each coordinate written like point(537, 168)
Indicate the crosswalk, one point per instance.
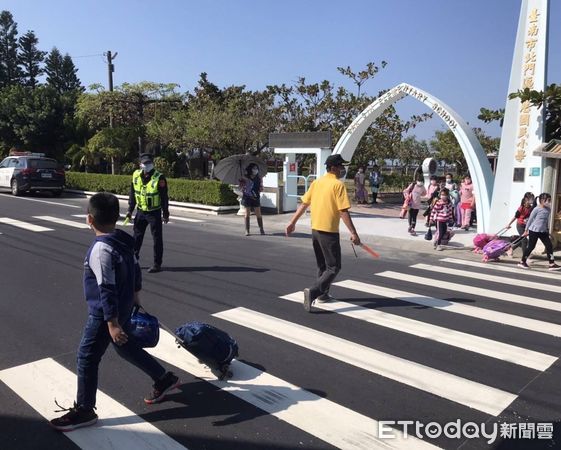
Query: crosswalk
point(335, 422)
point(40, 222)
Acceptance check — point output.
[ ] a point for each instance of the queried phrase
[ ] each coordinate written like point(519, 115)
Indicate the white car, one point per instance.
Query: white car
point(27, 172)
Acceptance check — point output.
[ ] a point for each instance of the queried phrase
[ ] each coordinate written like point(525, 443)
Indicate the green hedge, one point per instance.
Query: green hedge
point(205, 192)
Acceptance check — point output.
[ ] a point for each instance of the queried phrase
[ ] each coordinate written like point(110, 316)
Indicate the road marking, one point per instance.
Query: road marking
point(459, 308)
point(541, 286)
point(70, 223)
point(40, 382)
point(185, 219)
point(470, 289)
point(24, 225)
point(328, 421)
point(502, 268)
point(465, 341)
point(41, 201)
point(451, 387)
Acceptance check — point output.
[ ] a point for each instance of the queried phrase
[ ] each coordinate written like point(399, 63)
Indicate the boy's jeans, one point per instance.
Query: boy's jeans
point(95, 340)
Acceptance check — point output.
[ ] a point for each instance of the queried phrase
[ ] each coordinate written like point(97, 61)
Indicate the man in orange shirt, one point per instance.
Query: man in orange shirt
point(329, 202)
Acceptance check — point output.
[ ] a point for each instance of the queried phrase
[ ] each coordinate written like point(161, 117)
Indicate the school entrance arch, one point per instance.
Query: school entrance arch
point(478, 164)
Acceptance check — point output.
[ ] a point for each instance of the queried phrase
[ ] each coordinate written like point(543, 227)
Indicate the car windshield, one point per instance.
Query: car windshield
point(42, 164)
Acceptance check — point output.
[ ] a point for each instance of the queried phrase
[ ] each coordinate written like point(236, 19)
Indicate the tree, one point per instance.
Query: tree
point(447, 148)
point(490, 115)
point(61, 72)
point(361, 77)
point(30, 59)
point(412, 151)
point(550, 100)
point(10, 72)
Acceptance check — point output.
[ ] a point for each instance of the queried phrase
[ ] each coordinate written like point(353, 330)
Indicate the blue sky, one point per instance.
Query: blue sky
point(458, 50)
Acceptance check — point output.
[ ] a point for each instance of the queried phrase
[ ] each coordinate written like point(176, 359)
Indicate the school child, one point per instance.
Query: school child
point(432, 197)
point(414, 192)
point(112, 281)
point(441, 214)
point(467, 200)
point(521, 217)
point(537, 227)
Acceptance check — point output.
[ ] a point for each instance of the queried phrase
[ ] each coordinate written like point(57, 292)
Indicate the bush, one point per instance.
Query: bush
point(193, 191)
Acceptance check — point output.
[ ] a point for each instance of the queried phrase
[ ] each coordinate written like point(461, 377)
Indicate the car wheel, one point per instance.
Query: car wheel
point(57, 193)
point(15, 187)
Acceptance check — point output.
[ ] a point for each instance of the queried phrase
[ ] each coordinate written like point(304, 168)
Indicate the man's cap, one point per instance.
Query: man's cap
point(335, 160)
point(146, 157)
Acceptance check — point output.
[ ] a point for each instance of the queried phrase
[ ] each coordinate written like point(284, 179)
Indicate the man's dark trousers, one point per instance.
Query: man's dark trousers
point(327, 248)
point(141, 221)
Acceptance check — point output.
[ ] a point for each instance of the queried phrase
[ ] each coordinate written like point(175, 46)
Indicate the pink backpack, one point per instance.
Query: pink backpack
point(481, 239)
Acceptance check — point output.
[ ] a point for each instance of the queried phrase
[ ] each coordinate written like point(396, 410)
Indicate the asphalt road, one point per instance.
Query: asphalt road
point(440, 342)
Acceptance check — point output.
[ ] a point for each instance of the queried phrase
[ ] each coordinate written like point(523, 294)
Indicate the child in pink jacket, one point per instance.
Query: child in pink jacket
point(414, 193)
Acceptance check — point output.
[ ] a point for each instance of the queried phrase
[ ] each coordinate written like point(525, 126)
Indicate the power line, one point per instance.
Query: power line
point(87, 56)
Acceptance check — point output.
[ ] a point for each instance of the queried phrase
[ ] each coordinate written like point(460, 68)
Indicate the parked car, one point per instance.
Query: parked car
point(27, 172)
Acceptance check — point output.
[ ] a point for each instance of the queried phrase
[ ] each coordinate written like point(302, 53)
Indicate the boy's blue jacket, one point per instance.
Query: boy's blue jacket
point(111, 276)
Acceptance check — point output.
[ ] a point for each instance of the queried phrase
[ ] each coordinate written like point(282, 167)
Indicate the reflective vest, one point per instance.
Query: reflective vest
point(146, 195)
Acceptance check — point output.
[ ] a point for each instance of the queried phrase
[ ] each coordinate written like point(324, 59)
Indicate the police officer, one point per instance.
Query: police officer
point(149, 193)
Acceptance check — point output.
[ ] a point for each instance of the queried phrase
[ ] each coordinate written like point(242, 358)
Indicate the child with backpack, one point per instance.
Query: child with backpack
point(112, 281)
point(413, 195)
point(441, 214)
point(537, 227)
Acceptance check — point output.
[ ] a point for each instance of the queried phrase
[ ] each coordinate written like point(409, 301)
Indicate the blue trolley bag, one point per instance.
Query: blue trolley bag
point(209, 345)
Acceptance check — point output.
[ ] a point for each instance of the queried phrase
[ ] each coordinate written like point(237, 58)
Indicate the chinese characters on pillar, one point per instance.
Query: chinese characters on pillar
point(528, 71)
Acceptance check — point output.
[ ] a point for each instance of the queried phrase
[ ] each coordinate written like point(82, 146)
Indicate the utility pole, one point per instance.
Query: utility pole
point(110, 70)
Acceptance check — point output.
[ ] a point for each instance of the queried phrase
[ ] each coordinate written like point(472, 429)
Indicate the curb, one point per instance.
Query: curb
point(191, 207)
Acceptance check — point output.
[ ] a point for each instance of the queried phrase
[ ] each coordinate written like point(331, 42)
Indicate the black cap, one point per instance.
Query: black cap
point(335, 160)
point(146, 157)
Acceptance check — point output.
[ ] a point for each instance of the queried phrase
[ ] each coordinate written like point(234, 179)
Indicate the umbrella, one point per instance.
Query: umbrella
point(231, 169)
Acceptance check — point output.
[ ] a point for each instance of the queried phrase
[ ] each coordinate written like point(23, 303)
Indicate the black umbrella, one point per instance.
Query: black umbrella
point(231, 169)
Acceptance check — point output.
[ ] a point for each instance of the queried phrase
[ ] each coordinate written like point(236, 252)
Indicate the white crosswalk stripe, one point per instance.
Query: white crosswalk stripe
point(488, 347)
point(479, 313)
point(470, 289)
point(502, 268)
point(334, 424)
point(442, 384)
point(541, 286)
point(69, 223)
point(24, 225)
point(114, 430)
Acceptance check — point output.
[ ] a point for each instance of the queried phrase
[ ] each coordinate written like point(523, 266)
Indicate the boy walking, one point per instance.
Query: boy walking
point(112, 281)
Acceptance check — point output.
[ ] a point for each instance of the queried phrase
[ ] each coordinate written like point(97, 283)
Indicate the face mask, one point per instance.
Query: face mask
point(147, 167)
point(254, 171)
point(419, 183)
point(449, 180)
point(433, 182)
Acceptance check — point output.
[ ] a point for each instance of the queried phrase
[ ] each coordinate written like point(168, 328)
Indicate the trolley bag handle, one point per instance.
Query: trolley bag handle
point(501, 231)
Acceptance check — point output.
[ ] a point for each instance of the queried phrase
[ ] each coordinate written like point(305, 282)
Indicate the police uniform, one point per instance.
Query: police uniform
point(149, 194)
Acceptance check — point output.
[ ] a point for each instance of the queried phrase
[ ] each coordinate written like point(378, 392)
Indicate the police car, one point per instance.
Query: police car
point(25, 171)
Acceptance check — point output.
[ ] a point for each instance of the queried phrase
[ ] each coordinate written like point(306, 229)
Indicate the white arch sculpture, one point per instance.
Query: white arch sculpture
point(477, 161)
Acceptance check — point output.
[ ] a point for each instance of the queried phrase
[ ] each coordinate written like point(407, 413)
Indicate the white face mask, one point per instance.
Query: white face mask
point(419, 183)
point(254, 171)
point(147, 167)
point(360, 171)
point(449, 180)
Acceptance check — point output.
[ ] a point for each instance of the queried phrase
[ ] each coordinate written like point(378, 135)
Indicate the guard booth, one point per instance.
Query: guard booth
point(292, 144)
